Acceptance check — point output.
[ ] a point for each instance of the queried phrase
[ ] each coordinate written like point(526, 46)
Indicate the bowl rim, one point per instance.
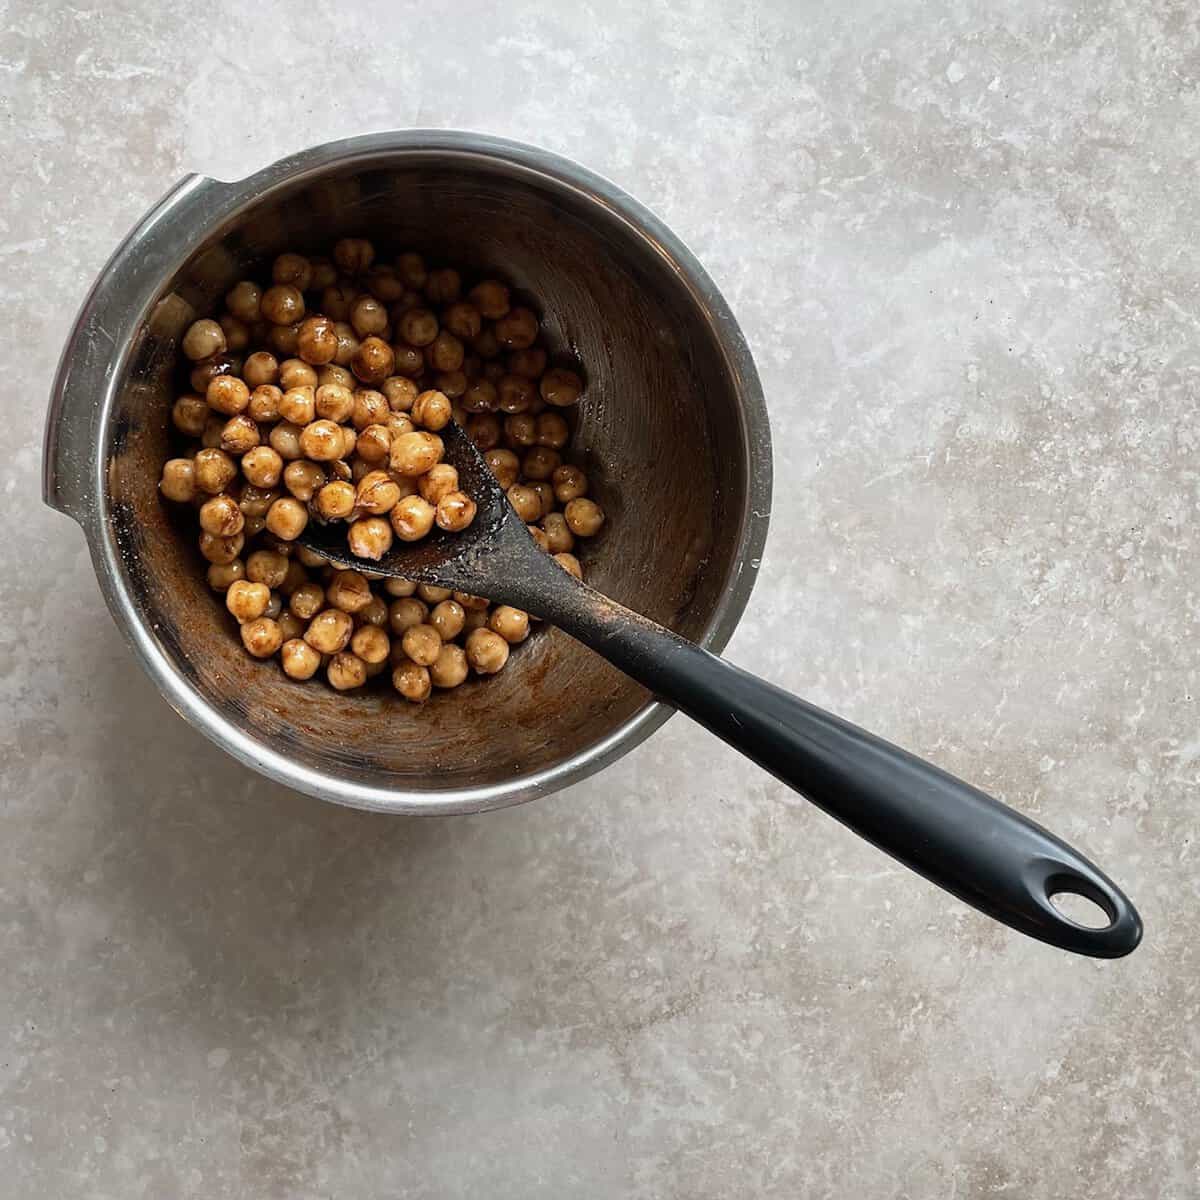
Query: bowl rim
point(79, 434)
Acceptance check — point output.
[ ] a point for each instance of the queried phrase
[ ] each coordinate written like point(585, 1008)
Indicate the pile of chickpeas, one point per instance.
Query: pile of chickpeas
point(320, 397)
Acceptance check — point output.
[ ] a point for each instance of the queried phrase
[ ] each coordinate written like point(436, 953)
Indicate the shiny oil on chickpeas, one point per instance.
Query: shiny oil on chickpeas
point(318, 393)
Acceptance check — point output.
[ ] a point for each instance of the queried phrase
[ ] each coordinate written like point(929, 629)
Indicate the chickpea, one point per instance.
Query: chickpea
point(517, 329)
point(418, 327)
point(377, 493)
point(221, 576)
point(264, 402)
point(450, 668)
point(353, 255)
point(422, 644)
point(286, 518)
point(310, 558)
point(463, 320)
point(559, 538)
point(349, 441)
point(178, 480)
point(545, 495)
point(455, 511)
point(552, 430)
point(385, 284)
point(307, 600)
point(443, 286)
point(400, 393)
point(411, 269)
point(203, 339)
point(373, 361)
point(331, 375)
point(349, 591)
point(259, 369)
point(444, 353)
point(296, 373)
point(525, 501)
point(254, 526)
point(221, 516)
point(336, 301)
point(347, 344)
point(374, 445)
point(221, 550)
point(447, 618)
point(539, 537)
point(484, 430)
point(510, 623)
point(254, 501)
point(398, 423)
point(239, 435)
point(406, 612)
point(299, 659)
point(368, 316)
point(540, 462)
point(415, 453)
point(333, 402)
point(370, 537)
point(317, 341)
point(529, 363)
point(409, 360)
point(247, 601)
point(329, 631)
point(283, 339)
point(210, 439)
point(346, 671)
point(321, 441)
point(227, 394)
point(480, 397)
point(584, 517)
point(412, 518)
point(561, 387)
point(207, 369)
point(274, 608)
point(267, 567)
point(335, 501)
point(476, 618)
point(294, 269)
point(491, 297)
point(262, 637)
point(243, 300)
point(472, 603)
point(294, 578)
point(569, 483)
point(452, 383)
point(283, 304)
point(188, 415)
point(290, 626)
point(437, 482)
point(412, 681)
point(505, 465)
point(433, 593)
point(399, 587)
point(213, 470)
point(298, 405)
point(237, 334)
point(371, 644)
point(514, 394)
point(432, 410)
point(285, 441)
point(520, 430)
point(486, 651)
point(570, 564)
point(303, 478)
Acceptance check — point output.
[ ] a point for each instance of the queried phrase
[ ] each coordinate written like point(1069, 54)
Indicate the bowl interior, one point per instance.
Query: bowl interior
point(659, 433)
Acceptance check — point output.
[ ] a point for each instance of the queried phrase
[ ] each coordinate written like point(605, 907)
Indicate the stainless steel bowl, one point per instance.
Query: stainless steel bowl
point(674, 429)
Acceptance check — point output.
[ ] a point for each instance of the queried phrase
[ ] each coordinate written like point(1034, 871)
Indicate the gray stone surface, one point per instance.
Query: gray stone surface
point(962, 239)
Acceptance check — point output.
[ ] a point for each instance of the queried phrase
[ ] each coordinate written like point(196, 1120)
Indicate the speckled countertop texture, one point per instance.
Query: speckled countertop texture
point(963, 239)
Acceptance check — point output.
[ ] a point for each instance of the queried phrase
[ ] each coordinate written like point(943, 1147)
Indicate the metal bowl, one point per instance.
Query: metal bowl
point(673, 430)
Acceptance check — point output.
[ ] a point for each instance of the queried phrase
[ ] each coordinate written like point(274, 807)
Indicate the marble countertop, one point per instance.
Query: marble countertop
point(962, 241)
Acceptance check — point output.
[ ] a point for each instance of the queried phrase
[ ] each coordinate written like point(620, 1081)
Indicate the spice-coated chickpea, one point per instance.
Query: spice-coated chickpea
point(247, 601)
point(203, 339)
point(373, 613)
point(346, 671)
point(445, 352)
point(443, 286)
point(545, 494)
point(317, 341)
point(347, 344)
point(510, 623)
point(286, 518)
point(298, 405)
point(324, 273)
point(349, 441)
point(552, 430)
point(412, 518)
point(487, 652)
point(559, 538)
point(294, 269)
point(227, 394)
point(476, 618)
point(268, 567)
point(517, 329)
point(368, 316)
point(254, 526)
point(422, 644)
point(349, 591)
point(433, 593)
point(504, 465)
point(259, 368)
point(569, 483)
point(561, 387)
point(310, 558)
point(463, 320)
point(472, 603)
point(283, 339)
point(262, 637)
point(335, 501)
point(520, 431)
point(385, 284)
point(178, 480)
point(189, 413)
point(274, 608)
point(377, 493)
point(214, 470)
point(303, 478)
point(221, 516)
point(399, 423)
point(332, 402)
point(321, 441)
point(243, 300)
point(450, 668)
point(374, 445)
point(295, 577)
point(336, 301)
point(410, 266)
point(400, 393)
point(484, 430)
point(406, 612)
point(368, 407)
point(481, 396)
point(411, 680)
point(584, 517)
point(210, 439)
point(487, 347)
point(437, 482)
point(370, 537)
point(222, 550)
point(453, 383)
point(540, 462)
point(299, 659)
point(330, 631)
point(432, 410)
point(525, 501)
point(514, 393)
point(333, 375)
point(290, 626)
point(296, 373)
point(307, 600)
point(409, 360)
point(283, 304)
point(415, 453)
point(371, 644)
point(280, 545)
point(447, 618)
point(539, 537)
point(455, 511)
point(221, 576)
point(418, 327)
point(399, 587)
point(373, 361)
point(491, 297)
point(264, 403)
point(528, 363)
point(207, 369)
point(237, 333)
point(353, 255)
point(570, 564)
point(254, 500)
point(239, 435)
